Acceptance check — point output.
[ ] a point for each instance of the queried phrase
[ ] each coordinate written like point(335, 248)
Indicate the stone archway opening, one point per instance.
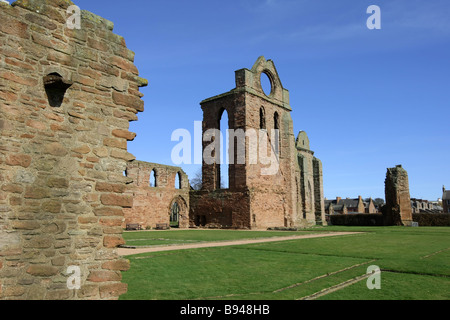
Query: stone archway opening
point(175, 215)
point(178, 212)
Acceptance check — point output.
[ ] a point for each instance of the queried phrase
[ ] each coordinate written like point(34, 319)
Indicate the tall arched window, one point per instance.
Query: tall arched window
point(178, 180)
point(153, 176)
point(224, 151)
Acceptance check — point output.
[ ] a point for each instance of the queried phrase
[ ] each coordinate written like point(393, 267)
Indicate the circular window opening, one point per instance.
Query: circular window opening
point(266, 84)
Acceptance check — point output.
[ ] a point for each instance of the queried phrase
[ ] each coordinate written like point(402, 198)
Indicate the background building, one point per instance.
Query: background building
point(345, 206)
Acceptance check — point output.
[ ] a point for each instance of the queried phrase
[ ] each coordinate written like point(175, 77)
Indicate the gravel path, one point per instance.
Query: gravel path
point(131, 251)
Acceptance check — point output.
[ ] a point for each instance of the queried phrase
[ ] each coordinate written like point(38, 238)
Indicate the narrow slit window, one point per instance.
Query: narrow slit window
point(223, 176)
point(262, 118)
point(276, 126)
point(178, 180)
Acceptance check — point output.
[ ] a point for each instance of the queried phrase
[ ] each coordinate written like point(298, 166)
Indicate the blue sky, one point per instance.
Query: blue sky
point(368, 99)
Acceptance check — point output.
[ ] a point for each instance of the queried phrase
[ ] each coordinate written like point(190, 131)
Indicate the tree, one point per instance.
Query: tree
point(196, 182)
point(378, 202)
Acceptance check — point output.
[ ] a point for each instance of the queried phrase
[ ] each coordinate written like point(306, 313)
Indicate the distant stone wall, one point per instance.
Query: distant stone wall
point(153, 203)
point(220, 209)
point(66, 99)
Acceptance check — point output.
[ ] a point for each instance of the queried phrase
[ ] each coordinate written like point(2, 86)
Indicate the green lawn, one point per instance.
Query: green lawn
point(415, 264)
point(153, 238)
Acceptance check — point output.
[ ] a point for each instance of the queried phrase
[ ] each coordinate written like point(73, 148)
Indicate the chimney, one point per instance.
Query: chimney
point(338, 199)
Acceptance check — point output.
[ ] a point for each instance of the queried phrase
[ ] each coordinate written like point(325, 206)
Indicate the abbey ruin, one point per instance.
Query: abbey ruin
point(285, 192)
point(258, 197)
point(69, 186)
point(67, 96)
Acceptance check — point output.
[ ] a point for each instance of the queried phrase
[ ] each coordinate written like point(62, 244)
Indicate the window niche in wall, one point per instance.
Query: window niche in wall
point(153, 179)
point(178, 181)
point(55, 87)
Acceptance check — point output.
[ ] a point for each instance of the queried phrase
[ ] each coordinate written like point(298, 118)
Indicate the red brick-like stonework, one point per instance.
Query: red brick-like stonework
point(153, 203)
point(66, 99)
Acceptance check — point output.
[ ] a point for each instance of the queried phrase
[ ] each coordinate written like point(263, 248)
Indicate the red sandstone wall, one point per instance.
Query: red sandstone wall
point(62, 188)
point(220, 209)
point(152, 205)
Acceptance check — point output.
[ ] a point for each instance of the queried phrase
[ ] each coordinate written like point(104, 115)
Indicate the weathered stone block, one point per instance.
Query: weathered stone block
point(22, 160)
point(26, 225)
point(108, 211)
point(113, 241)
point(36, 193)
point(110, 187)
point(124, 201)
point(119, 265)
point(113, 290)
point(42, 270)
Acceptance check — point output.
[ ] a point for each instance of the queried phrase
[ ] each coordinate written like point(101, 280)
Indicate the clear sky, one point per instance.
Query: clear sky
point(368, 99)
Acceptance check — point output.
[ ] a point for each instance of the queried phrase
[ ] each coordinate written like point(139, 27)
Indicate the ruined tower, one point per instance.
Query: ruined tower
point(66, 98)
point(397, 210)
point(263, 171)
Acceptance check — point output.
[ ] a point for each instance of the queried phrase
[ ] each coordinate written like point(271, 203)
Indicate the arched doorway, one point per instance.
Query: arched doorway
point(178, 213)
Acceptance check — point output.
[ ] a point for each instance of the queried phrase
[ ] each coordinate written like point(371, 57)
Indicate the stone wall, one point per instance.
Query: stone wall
point(311, 203)
point(153, 203)
point(219, 209)
point(66, 99)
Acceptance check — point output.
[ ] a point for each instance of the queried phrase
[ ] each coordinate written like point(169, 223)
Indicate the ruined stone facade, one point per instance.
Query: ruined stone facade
point(311, 200)
point(258, 197)
point(66, 99)
point(160, 193)
point(397, 210)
